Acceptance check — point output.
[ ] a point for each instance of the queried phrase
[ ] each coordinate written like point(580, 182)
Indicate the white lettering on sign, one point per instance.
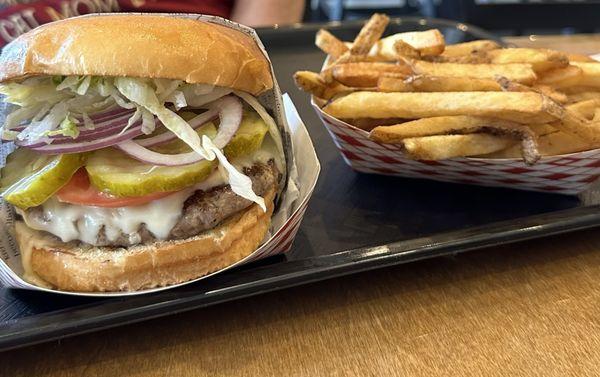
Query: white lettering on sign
point(79, 7)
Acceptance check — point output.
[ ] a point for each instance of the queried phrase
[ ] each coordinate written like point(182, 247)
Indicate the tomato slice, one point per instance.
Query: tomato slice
point(80, 191)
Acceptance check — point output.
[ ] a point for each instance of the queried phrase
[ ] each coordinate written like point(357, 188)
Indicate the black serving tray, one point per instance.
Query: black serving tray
point(354, 222)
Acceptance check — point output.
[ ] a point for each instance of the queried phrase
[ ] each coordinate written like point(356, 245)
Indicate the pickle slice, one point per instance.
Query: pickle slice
point(249, 136)
point(29, 179)
point(114, 172)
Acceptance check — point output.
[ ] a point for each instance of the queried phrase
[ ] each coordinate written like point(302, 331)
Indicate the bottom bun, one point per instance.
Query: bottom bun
point(84, 268)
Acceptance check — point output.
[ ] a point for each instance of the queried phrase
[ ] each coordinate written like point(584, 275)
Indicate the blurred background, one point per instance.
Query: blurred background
point(504, 17)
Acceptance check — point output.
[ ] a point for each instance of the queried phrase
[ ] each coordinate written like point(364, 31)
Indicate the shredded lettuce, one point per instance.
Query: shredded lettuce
point(49, 104)
point(178, 99)
point(198, 95)
point(51, 121)
point(240, 183)
point(68, 127)
point(148, 123)
point(140, 92)
point(87, 121)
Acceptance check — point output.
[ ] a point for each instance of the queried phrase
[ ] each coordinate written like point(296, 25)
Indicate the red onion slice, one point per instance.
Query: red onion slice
point(106, 128)
point(230, 114)
point(86, 146)
point(195, 122)
point(148, 156)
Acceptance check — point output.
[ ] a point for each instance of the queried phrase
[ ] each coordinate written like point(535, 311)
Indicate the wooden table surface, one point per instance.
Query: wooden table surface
point(527, 309)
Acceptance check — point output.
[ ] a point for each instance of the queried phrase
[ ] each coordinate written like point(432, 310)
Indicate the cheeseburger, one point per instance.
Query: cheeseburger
point(142, 156)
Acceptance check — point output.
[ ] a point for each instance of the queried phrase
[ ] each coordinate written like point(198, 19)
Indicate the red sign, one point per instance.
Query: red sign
point(18, 17)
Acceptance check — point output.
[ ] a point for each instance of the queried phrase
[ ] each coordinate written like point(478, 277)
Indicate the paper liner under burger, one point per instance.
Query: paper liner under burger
point(302, 173)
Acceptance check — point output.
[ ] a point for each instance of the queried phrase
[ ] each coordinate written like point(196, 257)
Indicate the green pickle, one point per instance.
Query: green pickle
point(113, 172)
point(249, 136)
point(28, 178)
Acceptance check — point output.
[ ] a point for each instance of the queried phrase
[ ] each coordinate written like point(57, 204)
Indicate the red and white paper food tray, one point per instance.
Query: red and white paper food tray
point(569, 174)
point(303, 171)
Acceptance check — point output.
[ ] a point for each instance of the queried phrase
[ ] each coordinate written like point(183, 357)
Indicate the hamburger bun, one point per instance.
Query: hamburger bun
point(137, 45)
point(76, 267)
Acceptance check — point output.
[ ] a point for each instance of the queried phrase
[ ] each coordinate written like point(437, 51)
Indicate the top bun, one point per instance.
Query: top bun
point(138, 45)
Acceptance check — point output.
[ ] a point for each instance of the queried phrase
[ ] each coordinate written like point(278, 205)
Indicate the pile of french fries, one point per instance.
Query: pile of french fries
point(470, 99)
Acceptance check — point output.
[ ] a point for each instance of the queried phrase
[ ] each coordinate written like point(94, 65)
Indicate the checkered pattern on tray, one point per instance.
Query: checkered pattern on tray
point(566, 174)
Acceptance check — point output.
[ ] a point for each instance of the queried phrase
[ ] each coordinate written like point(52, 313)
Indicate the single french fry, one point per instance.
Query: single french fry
point(521, 73)
point(541, 60)
point(542, 129)
point(552, 144)
point(591, 73)
point(472, 58)
point(587, 108)
point(394, 84)
point(578, 89)
point(329, 44)
point(596, 117)
point(582, 96)
point(548, 91)
point(368, 124)
point(552, 93)
point(442, 125)
point(312, 83)
point(467, 48)
point(572, 122)
point(327, 73)
point(403, 49)
point(562, 77)
point(580, 58)
point(442, 147)
point(429, 42)
point(367, 74)
point(524, 108)
point(369, 34)
point(424, 83)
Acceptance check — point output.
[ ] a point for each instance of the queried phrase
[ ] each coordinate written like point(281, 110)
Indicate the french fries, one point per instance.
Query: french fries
point(590, 73)
point(330, 44)
point(458, 125)
point(364, 75)
point(369, 34)
point(521, 73)
point(579, 58)
point(424, 83)
point(311, 82)
point(467, 48)
point(442, 147)
point(551, 144)
point(430, 42)
point(586, 109)
point(582, 96)
point(475, 98)
point(541, 60)
point(515, 106)
point(562, 77)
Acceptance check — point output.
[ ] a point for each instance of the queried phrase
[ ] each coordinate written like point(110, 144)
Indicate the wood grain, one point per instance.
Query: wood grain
point(521, 310)
point(527, 309)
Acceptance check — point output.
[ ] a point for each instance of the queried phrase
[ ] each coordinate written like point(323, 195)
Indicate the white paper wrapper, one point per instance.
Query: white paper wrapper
point(302, 167)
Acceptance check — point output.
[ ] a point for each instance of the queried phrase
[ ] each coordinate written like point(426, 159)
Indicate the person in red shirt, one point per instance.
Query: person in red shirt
point(20, 16)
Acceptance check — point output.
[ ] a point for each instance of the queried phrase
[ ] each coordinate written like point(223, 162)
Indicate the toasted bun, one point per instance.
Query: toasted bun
point(48, 261)
point(139, 46)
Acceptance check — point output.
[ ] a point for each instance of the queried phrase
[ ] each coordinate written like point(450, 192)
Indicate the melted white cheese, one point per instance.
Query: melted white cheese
point(71, 222)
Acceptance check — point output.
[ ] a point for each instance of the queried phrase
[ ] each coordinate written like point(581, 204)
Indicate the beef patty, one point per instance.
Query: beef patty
point(202, 210)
